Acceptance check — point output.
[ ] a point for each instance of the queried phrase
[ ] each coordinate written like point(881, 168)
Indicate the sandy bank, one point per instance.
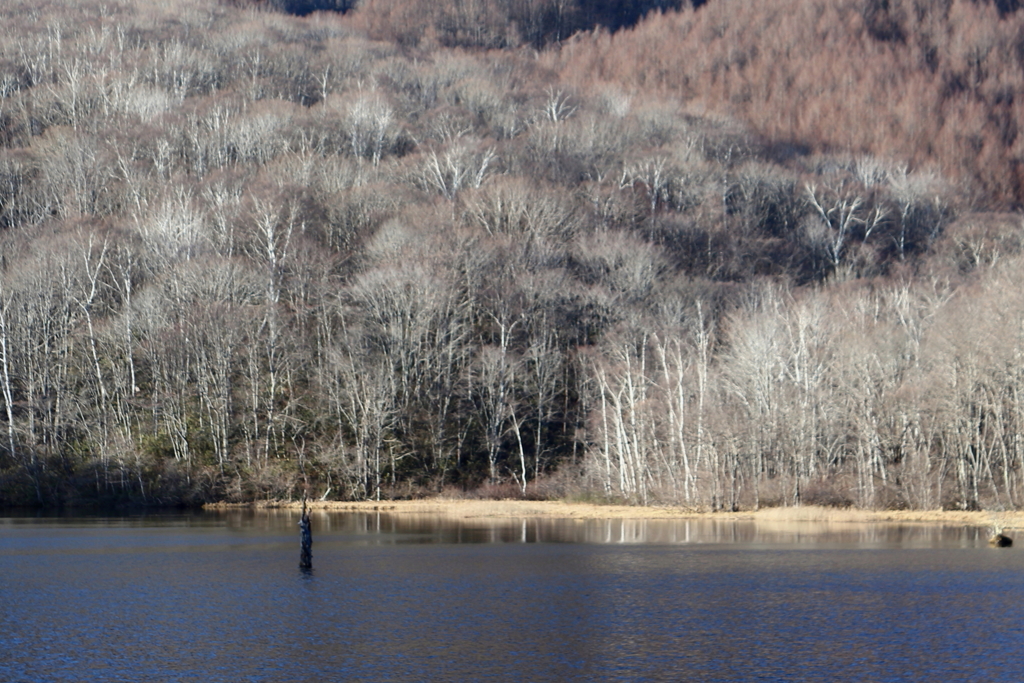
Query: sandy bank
point(517, 509)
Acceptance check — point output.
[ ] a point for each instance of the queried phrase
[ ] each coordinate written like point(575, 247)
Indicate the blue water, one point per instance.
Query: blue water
point(221, 598)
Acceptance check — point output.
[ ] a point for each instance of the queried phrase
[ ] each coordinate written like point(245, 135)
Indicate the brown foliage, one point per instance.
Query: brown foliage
point(933, 83)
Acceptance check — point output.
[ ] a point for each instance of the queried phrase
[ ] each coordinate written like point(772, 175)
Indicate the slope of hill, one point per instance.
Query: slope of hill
point(745, 254)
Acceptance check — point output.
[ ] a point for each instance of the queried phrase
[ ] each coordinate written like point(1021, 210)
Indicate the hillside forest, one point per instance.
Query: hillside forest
point(722, 256)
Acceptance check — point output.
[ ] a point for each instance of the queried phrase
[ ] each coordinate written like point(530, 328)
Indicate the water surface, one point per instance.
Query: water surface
point(220, 597)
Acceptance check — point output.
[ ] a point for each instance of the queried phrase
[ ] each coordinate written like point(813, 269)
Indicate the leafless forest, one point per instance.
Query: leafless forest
point(743, 254)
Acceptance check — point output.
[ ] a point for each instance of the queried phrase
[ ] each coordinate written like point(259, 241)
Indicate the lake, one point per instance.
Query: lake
point(219, 597)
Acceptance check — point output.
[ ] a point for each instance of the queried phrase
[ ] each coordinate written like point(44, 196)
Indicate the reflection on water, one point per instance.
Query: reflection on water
point(220, 597)
point(435, 528)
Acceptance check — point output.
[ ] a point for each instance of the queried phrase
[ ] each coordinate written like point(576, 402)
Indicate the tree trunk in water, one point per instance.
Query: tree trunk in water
point(306, 557)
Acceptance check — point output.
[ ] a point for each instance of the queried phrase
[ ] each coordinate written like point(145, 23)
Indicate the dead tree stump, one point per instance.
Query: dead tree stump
point(1000, 541)
point(306, 557)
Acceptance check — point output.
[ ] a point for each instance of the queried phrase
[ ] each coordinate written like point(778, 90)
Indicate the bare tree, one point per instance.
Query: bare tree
point(839, 215)
point(370, 122)
point(495, 384)
point(456, 168)
point(8, 388)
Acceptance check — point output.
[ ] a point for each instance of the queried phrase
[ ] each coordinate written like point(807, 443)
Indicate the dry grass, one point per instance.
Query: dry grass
point(517, 509)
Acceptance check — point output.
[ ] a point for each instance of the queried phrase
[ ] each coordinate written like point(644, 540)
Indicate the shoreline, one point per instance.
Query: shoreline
point(519, 509)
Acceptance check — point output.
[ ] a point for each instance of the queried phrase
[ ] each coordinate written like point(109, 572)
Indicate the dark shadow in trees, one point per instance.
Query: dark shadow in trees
point(301, 8)
point(617, 14)
point(576, 15)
